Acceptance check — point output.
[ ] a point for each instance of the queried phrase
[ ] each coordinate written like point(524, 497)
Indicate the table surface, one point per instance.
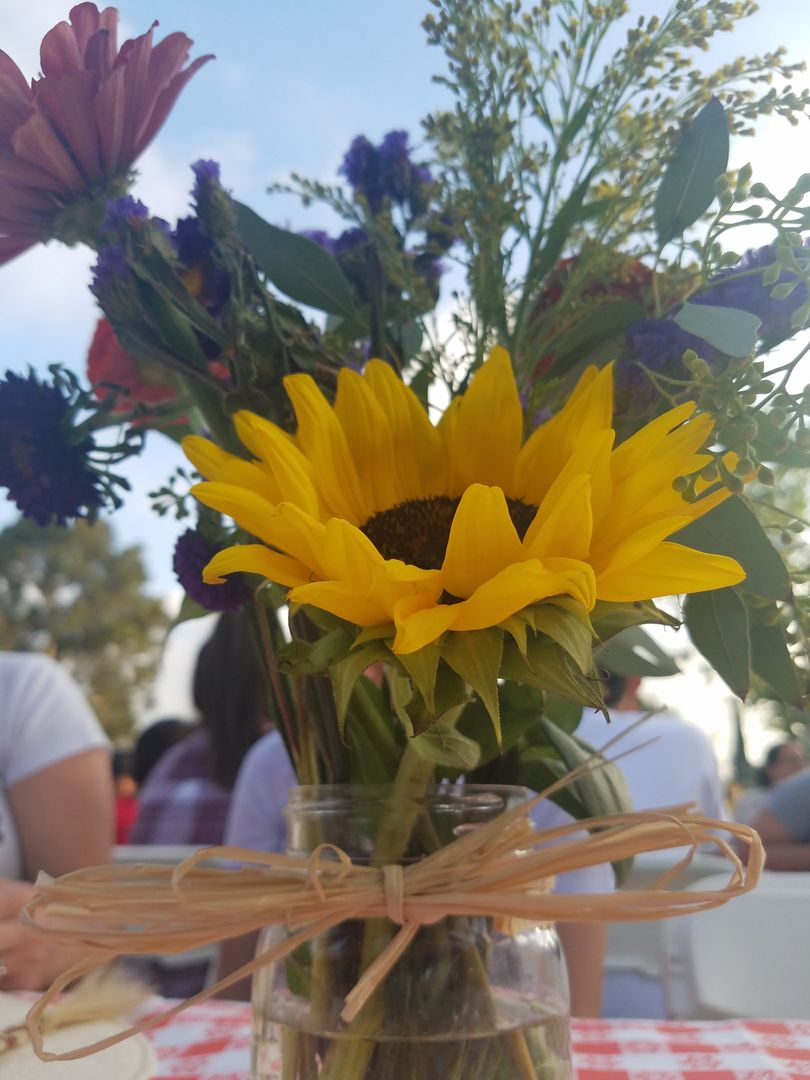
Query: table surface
point(212, 1042)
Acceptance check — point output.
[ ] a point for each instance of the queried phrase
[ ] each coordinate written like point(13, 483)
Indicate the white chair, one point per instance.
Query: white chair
point(633, 966)
point(169, 855)
point(748, 959)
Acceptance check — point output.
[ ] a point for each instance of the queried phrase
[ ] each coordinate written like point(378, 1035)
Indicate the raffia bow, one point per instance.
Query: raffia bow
point(502, 870)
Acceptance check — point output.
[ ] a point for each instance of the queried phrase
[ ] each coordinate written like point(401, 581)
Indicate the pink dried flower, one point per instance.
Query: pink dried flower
point(76, 131)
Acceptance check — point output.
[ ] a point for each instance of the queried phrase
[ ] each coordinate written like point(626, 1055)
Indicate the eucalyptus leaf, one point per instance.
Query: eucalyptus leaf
point(771, 660)
point(717, 623)
point(687, 187)
point(633, 652)
point(297, 266)
point(732, 331)
point(731, 528)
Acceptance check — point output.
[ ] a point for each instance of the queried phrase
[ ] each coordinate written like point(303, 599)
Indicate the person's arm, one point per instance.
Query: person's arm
point(27, 962)
point(782, 852)
point(64, 814)
point(584, 948)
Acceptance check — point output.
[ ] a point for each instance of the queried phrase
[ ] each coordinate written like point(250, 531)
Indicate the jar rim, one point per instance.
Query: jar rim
point(446, 794)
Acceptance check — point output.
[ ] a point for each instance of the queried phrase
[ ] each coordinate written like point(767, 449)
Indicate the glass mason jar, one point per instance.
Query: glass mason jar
point(466, 1001)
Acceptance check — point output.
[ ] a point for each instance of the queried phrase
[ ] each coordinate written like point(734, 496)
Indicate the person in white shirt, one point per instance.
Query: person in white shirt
point(56, 801)
point(256, 820)
point(677, 764)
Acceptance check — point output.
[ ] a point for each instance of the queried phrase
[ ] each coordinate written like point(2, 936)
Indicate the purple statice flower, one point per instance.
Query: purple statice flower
point(126, 210)
point(741, 287)
point(361, 167)
point(192, 553)
point(206, 174)
point(396, 170)
point(350, 240)
point(111, 266)
point(656, 343)
point(44, 458)
point(321, 238)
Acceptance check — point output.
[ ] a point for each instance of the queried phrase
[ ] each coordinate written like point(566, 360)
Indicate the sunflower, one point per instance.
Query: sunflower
point(374, 514)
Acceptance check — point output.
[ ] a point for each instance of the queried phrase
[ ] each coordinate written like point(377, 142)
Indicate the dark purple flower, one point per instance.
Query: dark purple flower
point(192, 553)
point(111, 264)
point(44, 459)
point(741, 287)
point(126, 210)
point(361, 167)
point(206, 173)
point(396, 170)
point(657, 343)
point(321, 238)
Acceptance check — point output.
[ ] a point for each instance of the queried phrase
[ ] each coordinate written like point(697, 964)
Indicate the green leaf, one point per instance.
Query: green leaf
point(521, 705)
point(733, 529)
point(597, 793)
point(564, 220)
point(549, 667)
point(687, 187)
point(633, 652)
point(771, 659)
point(562, 712)
point(732, 331)
point(476, 657)
point(717, 623)
point(568, 631)
point(609, 619)
point(189, 609)
point(314, 657)
point(297, 266)
point(346, 673)
point(422, 666)
point(444, 745)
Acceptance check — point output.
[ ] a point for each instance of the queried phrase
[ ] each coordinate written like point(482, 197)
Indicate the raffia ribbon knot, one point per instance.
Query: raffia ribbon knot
point(498, 870)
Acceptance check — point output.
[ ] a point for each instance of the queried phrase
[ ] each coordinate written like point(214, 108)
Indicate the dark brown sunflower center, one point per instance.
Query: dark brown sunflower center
point(417, 531)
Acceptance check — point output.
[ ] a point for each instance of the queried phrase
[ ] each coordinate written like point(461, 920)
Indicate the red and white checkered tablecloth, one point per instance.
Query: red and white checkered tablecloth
point(212, 1042)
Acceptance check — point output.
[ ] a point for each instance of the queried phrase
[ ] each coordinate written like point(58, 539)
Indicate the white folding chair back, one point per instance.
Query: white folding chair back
point(168, 855)
point(635, 947)
point(748, 959)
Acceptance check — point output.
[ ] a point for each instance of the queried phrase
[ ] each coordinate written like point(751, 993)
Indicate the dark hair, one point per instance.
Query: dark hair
point(153, 743)
point(614, 687)
point(230, 694)
point(772, 756)
point(122, 761)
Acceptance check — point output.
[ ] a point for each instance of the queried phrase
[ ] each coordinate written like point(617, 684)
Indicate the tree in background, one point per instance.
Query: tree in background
point(73, 594)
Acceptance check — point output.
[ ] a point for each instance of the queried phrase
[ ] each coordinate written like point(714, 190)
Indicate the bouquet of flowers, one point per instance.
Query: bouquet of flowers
point(613, 405)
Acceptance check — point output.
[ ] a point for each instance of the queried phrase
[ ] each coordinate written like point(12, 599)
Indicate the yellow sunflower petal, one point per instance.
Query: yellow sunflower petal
point(488, 428)
point(320, 437)
point(546, 451)
point(517, 587)
point(343, 599)
point(419, 626)
point(418, 450)
point(291, 471)
point(628, 549)
point(368, 436)
point(634, 453)
point(285, 526)
point(564, 522)
point(667, 570)
point(216, 464)
point(255, 559)
point(482, 541)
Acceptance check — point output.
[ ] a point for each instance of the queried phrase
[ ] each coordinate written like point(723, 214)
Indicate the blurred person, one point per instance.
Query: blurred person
point(256, 820)
point(784, 824)
point(782, 761)
point(185, 795)
point(670, 762)
point(56, 802)
point(126, 795)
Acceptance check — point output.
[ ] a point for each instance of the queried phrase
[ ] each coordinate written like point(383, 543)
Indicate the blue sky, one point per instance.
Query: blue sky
point(293, 82)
